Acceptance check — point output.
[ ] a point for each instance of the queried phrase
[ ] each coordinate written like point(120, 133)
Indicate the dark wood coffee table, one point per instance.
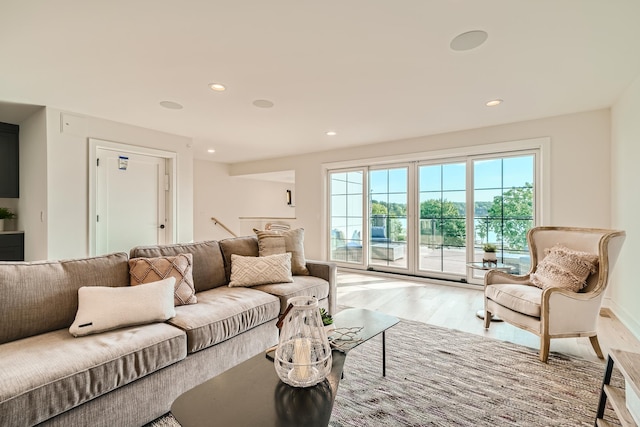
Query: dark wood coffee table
point(251, 393)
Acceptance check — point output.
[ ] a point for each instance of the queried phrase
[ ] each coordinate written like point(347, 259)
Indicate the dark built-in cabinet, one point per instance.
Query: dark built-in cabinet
point(9, 173)
point(12, 246)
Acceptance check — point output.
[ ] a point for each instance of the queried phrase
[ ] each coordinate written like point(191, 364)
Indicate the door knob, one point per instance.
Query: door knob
point(162, 226)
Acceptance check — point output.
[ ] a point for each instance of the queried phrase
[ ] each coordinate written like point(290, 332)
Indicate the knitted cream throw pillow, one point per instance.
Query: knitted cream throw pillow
point(260, 270)
point(564, 268)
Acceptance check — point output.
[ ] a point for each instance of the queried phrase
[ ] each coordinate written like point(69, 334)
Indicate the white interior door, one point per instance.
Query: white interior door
point(130, 201)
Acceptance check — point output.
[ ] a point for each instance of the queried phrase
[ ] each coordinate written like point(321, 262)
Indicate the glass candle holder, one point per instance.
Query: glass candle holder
point(303, 355)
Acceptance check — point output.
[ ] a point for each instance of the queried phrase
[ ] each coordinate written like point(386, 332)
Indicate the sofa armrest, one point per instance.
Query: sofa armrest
point(326, 271)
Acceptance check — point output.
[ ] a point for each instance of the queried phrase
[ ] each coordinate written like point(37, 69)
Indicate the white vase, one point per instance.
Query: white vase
point(490, 256)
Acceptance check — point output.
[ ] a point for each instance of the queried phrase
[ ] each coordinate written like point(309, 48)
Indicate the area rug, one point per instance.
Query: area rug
point(443, 377)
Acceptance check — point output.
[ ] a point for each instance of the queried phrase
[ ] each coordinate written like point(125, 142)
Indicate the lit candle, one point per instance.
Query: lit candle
point(301, 358)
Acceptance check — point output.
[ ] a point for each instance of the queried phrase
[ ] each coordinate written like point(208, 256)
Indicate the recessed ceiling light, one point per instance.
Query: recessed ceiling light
point(171, 105)
point(331, 133)
point(218, 87)
point(469, 40)
point(211, 150)
point(493, 102)
point(263, 103)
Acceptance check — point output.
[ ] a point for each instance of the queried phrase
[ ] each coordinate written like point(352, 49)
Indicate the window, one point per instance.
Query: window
point(346, 190)
point(442, 223)
point(431, 218)
point(388, 197)
point(504, 207)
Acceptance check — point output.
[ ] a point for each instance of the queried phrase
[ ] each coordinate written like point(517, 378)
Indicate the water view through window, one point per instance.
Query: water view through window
point(432, 219)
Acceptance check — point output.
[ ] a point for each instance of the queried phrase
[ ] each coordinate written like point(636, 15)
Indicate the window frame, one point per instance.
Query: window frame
point(542, 171)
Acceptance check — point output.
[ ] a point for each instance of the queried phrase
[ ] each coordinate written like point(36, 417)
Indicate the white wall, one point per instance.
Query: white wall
point(67, 176)
point(227, 198)
point(580, 168)
point(32, 205)
point(625, 124)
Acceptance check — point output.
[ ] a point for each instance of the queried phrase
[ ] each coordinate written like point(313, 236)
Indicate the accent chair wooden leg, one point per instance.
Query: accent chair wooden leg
point(487, 319)
point(596, 346)
point(545, 342)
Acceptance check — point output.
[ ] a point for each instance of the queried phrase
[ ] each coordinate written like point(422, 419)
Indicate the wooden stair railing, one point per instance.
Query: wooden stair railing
point(216, 222)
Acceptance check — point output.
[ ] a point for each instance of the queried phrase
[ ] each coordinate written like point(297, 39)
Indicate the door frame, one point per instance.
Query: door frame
point(171, 198)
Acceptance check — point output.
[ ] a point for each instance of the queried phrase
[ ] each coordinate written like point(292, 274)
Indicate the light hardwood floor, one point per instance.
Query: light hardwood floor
point(455, 308)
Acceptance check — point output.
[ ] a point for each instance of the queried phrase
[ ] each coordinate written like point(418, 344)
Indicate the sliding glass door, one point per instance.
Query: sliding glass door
point(504, 208)
point(346, 219)
point(388, 201)
point(432, 218)
point(442, 220)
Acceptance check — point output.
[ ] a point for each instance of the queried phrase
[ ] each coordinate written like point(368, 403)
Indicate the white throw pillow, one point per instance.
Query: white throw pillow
point(103, 308)
point(260, 270)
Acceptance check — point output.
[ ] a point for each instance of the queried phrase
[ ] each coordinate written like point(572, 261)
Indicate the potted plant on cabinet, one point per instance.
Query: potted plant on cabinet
point(5, 213)
point(489, 256)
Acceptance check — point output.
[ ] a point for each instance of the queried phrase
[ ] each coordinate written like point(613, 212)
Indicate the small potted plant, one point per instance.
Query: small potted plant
point(5, 213)
point(489, 253)
point(327, 321)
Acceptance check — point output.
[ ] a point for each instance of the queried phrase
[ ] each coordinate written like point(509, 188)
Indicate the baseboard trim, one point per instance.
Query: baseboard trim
point(410, 278)
point(606, 312)
point(623, 316)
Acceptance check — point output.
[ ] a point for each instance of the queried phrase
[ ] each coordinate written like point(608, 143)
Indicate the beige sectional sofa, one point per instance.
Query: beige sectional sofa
point(130, 376)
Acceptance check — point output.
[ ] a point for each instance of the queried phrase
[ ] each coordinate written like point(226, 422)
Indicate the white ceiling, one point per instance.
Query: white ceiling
point(372, 70)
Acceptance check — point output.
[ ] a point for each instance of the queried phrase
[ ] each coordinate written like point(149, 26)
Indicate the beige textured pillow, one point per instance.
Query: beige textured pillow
point(260, 270)
point(102, 308)
point(564, 268)
point(270, 243)
point(180, 267)
point(294, 243)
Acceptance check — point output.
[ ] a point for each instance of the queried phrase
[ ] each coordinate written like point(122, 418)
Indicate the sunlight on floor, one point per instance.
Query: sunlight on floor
point(451, 307)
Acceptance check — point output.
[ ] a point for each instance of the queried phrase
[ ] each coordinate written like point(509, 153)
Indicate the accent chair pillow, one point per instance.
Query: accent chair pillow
point(260, 270)
point(180, 267)
point(102, 308)
point(564, 268)
point(294, 243)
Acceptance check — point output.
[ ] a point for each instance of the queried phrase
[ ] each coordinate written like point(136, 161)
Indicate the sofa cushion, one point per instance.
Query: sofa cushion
point(54, 372)
point(101, 308)
point(223, 313)
point(208, 265)
point(523, 299)
point(42, 296)
point(308, 286)
point(179, 267)
point(243, 246)
point(377, 232)
point(260, 270)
